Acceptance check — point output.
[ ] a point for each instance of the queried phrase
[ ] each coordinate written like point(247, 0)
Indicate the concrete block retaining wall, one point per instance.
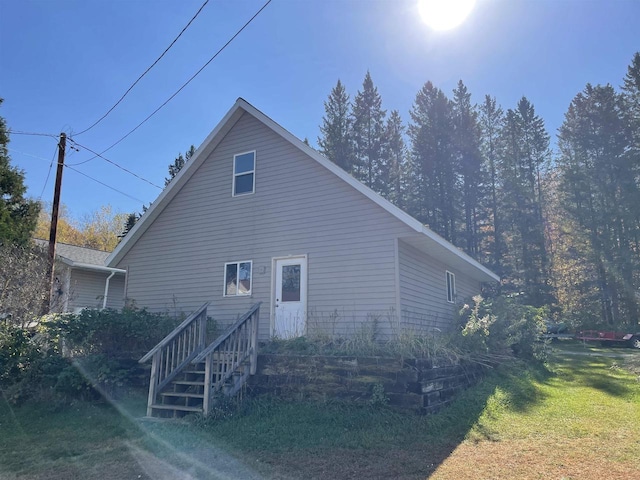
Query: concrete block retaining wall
point(421, 385)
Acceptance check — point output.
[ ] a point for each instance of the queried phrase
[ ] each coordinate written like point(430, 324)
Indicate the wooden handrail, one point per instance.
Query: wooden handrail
point(176, 331)
point(228, 355)
point(221, 339)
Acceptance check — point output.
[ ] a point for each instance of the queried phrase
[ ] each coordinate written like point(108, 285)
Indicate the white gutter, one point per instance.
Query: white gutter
point(106, 290)
point(97, 268)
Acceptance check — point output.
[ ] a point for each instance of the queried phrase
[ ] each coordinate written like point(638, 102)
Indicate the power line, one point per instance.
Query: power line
point(29, 154)
point(145, 72)
point(104, 184)
point(114, 164)
point(37, 134)
point(75, 170)
point(48, 173)
point(185, 84)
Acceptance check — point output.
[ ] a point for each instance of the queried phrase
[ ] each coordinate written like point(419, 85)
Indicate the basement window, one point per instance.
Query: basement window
point(244, 169)
point(451, 287)
point(237, 278)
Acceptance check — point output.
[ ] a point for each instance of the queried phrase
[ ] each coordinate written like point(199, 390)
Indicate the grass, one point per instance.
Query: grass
point(580, 418)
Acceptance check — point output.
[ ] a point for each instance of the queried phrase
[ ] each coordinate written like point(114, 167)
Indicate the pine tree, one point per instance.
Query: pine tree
point(335, 142)
point(433, 162)
point(368, 137)
point(18, 215)
point(491, 122)
point(599, 180)
point(395, 157)
point(466, 140)
point(179, 162)
point(525, 154)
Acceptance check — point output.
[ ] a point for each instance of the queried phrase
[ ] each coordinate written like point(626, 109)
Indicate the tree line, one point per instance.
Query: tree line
point(561, 228)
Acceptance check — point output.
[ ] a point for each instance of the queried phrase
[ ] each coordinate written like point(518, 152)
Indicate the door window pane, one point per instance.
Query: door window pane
point(291, 283)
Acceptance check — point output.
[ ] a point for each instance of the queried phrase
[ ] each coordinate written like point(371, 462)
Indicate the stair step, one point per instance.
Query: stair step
point(188, 382)
point(181, 408)
point(182, 394)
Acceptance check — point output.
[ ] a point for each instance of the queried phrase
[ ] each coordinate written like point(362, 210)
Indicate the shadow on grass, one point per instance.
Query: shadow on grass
point(266, 438)
point(323, 440)
point(595, 368)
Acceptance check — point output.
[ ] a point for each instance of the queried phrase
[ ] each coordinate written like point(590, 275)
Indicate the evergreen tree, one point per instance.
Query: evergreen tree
point(433, 162)
point(525, 153)
point(368, 137)
point(466, 140)
point(18, 215)
point(178, 163)
point(491, 122)
point(335, 142)
point(599, 178)
point(395, 157)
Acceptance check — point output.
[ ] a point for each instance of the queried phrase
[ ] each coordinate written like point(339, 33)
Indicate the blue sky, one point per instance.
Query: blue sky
point(63, 63)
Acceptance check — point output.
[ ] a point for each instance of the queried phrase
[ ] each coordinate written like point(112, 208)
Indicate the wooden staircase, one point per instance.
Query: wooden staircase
point(187, 377)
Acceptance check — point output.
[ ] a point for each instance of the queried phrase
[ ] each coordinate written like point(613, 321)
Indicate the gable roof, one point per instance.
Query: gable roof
point(425, 239)
point(80, 257)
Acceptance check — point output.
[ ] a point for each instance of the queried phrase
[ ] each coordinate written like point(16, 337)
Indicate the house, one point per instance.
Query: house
point(82, 280)
point(257, 215)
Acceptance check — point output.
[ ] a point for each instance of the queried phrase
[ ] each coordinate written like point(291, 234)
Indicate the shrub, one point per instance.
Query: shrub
point(502, 325)
point(17, 353)
point(101, 349)
point(129, 333)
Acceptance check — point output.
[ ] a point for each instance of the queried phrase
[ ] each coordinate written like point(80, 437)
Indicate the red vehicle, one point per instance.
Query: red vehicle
point(608, 339)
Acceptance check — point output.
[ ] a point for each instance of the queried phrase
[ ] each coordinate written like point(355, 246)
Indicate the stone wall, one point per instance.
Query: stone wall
point(422, 385)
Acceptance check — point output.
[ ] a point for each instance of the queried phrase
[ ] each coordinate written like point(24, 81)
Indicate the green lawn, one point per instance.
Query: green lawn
point(578, 419)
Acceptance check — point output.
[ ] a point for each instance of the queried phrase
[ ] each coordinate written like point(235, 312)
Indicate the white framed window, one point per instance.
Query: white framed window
point(451, 287)
point(237, 278)
point(244, 173)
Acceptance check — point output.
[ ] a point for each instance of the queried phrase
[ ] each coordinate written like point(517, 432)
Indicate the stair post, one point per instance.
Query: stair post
point(153, 382)
point(254, 343)
point(206, 401)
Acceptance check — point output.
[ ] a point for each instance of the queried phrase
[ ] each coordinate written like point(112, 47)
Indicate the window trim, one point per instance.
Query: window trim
point(451, 286)
point(235, 175)
point(224, 275)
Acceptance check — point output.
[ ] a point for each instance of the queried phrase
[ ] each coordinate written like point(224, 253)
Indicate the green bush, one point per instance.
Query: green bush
point(129, 333)
point(18, 352)
point(502, 325)
point(101, 350)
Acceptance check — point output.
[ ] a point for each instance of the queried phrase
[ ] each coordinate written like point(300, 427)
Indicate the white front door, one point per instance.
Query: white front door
point(290, 301)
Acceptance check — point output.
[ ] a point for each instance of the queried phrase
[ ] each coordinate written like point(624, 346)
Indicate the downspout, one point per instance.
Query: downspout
point(106, 290)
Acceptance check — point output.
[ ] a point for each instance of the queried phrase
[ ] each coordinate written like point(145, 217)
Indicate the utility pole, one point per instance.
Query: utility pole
point(54, 221)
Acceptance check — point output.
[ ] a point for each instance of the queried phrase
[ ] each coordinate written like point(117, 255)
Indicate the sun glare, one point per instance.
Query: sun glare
point(444, 14)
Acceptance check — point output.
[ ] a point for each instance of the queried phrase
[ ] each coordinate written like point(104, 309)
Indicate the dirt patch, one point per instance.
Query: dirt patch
point(523, 459)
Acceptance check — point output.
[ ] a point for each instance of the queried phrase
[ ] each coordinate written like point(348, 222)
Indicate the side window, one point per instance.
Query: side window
point(237, 278)
point(244, 173)
point(451, 287)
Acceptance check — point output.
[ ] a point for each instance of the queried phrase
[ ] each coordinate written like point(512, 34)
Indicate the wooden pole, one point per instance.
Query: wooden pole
point(54, 219)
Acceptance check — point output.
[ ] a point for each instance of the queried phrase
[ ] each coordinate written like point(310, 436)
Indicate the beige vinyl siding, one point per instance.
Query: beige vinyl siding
point(86, 290)
point(298, 208)
point(423, 290)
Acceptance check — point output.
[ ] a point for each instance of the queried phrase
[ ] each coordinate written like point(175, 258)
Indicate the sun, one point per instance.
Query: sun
point(444, 14)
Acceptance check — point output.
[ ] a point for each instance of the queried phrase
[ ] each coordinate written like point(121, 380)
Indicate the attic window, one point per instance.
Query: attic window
point(451, 287)
point(244, 169)
point(237, 278)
